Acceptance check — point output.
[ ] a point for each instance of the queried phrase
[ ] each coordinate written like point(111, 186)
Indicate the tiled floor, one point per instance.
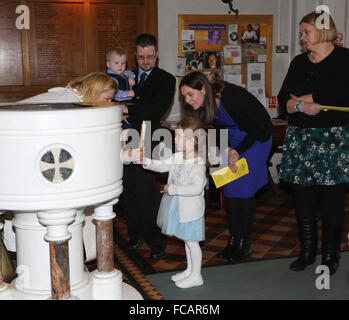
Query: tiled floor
point(274, 236)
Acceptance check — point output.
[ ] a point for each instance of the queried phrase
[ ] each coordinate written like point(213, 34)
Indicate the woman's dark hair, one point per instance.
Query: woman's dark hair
point(197, 80)
point(218, 87)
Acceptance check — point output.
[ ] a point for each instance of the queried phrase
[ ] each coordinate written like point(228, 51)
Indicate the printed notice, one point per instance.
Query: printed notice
point(188, 35)
point(256, 81)
point(232, 74)
point(232, 54)
point(181, 63)
point(233, 34)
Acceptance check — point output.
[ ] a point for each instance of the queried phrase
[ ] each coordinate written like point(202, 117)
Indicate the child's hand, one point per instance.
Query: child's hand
point(130, 93)
point(131, 81)
point(165, 188)
point(133, 155)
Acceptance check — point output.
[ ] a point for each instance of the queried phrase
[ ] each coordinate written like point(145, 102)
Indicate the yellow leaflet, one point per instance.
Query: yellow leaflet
point(345, 109)
point(225, 175)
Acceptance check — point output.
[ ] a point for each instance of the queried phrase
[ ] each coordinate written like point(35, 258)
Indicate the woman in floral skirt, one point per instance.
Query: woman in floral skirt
point(316, 146)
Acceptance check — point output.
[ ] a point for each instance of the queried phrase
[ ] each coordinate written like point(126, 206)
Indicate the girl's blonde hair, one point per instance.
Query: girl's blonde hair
point(322, 35)
point(91, 86)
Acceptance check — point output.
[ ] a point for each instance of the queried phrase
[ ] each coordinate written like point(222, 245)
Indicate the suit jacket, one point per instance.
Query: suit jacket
point(153, 99)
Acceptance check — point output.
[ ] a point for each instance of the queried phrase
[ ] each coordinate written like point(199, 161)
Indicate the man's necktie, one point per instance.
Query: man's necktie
point(143, 75)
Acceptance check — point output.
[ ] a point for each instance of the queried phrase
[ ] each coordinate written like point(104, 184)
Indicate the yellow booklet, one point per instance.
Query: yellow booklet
point(345, 109)
point(225, 175)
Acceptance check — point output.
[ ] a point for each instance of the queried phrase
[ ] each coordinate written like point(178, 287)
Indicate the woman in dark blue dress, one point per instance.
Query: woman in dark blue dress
point(249, 128)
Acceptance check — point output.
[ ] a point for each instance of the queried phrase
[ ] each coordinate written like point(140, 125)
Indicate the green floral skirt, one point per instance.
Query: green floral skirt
point(315, 156)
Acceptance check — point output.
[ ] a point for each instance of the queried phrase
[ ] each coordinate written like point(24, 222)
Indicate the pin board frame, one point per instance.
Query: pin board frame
point(185, 19)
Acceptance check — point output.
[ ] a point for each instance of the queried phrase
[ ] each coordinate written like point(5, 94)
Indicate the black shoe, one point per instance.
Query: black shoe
point(229, 249)
point(302, 262)
point(331, 261)
point(157, 252)
point(134, 243)
point(242, 252)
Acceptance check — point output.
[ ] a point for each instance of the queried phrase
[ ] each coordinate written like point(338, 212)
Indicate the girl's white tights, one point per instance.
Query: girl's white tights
point(191, 276)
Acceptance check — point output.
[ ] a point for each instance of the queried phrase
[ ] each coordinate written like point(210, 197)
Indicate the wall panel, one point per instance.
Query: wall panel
point(11, 68)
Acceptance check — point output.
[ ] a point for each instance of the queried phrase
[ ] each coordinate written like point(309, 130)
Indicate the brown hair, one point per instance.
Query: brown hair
point(116, 50)
point(194, 127)
point(218, 87)
point(190, 123)
point(91, 86)
point(197, 80)
point(322, 35)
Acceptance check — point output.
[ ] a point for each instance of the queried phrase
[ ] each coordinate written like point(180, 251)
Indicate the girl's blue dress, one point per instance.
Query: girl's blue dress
point(168, 219)
point(256, 157)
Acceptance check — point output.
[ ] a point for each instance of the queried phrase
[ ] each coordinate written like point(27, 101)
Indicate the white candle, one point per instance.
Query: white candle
point(144, 127)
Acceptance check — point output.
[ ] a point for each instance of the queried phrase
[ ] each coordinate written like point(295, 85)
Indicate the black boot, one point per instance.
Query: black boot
point(308, 237)
point(331, 260)
point(331, 247)
point(242, 252)
point(229, 249)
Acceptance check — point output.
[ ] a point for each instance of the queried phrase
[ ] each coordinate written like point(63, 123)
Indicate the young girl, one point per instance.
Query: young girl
point(182, 207)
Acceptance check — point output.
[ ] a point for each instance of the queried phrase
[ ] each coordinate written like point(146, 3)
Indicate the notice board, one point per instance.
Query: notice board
point(237, 49)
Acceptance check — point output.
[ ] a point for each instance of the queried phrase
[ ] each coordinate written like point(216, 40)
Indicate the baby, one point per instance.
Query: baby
point(116, 63)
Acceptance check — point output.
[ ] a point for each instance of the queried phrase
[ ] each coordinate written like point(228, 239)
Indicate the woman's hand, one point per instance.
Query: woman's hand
point(310, 108)
point(233, 156)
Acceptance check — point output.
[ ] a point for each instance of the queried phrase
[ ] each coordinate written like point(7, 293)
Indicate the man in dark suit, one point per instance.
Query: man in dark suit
point(154, 95)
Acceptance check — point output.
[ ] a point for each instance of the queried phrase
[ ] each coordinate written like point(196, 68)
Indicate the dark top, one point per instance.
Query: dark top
point(122, 81)
point(153, 99)
point(249, 114)
point(326, 80)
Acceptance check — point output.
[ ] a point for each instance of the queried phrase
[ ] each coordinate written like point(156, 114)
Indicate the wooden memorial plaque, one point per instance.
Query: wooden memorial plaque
point(11, 70)
point(115, 25)
point(56, 43)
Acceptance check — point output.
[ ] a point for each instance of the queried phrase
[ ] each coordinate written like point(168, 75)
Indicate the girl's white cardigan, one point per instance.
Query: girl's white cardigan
point(191, 201)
